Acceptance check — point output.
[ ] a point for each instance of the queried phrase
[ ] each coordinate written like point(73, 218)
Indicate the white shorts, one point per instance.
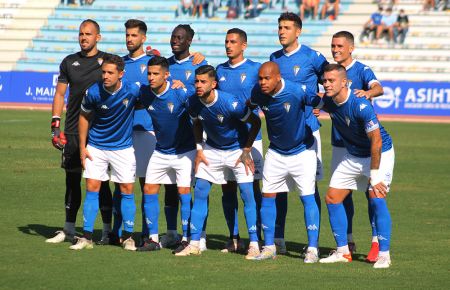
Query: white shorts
point(284, 173)
point(337, 155)
point(144, 143)
point(257, 156)
point(354, 172)
point(222, 166)
point(317, 147)
point(171, 168)
point(122, 164)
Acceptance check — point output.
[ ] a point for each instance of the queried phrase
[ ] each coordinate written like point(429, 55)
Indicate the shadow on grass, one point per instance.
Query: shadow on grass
point(49, 231)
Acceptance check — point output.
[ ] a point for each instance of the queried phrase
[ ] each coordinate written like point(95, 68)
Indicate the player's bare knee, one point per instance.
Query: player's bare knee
point(126, 188)
point(93, 185)
point(151, 188)
point(269, 195)
point(184, 190)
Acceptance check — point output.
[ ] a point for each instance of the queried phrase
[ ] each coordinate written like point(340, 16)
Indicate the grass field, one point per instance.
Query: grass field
point(32, 209)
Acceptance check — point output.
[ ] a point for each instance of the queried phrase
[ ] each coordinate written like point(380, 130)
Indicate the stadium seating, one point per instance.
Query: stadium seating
point(53, 31)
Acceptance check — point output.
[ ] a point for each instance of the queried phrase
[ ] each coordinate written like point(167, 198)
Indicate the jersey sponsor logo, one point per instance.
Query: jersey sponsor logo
point(347, 120)
point(220, 118)
point(76, 63)
point(125, 102)
point(150, 108)
point(222, 79)
point(188, 74)
point(243, 77)
point(362, 107)
point(142, 68)
point(234, 104)
point(100, 60)
point(296, 70)
point(170, 107)
point(287, 106)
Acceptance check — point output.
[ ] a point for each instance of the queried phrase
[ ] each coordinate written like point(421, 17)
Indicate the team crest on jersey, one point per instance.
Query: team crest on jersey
point(349, 83)
point(296, 70)
point(170, 106)
point(347, 120)
point(150, 108)
point(243, 77)
point(222, 79)
point(287, 107)
point(100, 60)
point(220, 118)
point(234, 104)
point(188, 74)
point(142, 68)
point(76, 63)
point(125, 102)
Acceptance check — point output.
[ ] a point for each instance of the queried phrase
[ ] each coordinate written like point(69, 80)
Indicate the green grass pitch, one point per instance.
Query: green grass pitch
point(32, 209)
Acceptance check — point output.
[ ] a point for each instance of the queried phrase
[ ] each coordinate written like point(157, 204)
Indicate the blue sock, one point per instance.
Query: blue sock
point(282, 206)
point(248, 197)
point(200, 208)
point(371, 212)
point(312, 219)
point(144, 231)
point(185, 212)
point(258, 198)
point(338, 222)
point(383, 222)
point(151, 208)
point(90, 209)
point(230, 209)
point(117, 212)
point(349, 211)
point(268, 216)
point(128, 208)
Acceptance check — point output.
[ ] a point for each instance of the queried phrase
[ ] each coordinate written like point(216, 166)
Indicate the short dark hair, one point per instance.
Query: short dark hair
point(114, 59)
point(345, 34)
point(133, 23)
point(159, 60)
point(93, 22)
point(290, 16)
point(189, 31)
point(335, 67)
point(242, 34)
point(206, 69)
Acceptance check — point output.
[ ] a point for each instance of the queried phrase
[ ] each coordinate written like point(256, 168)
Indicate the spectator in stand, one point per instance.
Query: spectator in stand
point(387, 25)
point(184, 9)
point(401, 27)
point(255, 8)
point(198, 8)
point(211, 7)
point(310, 6)
point(330, 8)
point(429, 5)
point(371, 26)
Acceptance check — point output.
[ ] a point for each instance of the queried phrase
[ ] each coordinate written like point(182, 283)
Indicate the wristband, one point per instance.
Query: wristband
point(56, 121)
point(199, 146)
point(375, 177)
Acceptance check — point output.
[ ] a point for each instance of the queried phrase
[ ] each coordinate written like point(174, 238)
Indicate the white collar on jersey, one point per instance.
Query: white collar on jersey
point(292, 52)
point(282, 88)
point(181, 60)
point(350, 65)
point(348, 96)
point(165, 90)
point(113, 93)
point(138, 57)
point(216, 97)
point(238, 64)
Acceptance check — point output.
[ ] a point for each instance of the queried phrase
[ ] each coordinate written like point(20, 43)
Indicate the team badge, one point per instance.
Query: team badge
point(188, 74)
point(125, 102)
point(170, 106)
point(220, 118)
point(222, 79)
point(296, 70)
point(287, 107)
point(142, 68)
point(201, 118)
point(347, 120)
point(150, 108)
point(100, 60)
point(234, 104)
point(243, 77)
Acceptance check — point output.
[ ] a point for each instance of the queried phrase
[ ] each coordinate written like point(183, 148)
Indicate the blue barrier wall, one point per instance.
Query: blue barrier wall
point(400, 97)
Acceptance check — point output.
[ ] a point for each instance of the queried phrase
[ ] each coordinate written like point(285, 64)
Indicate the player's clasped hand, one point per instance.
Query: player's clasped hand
point(247, 160)
point(199, 158)
point(58, 137)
